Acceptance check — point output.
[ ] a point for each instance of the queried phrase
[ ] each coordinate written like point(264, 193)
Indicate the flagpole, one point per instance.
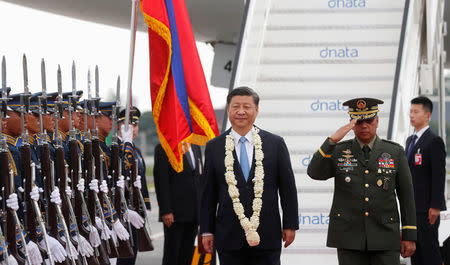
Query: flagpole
point(133, 26)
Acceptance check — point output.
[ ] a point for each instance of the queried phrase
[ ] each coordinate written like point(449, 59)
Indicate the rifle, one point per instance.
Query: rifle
point(125, 248)
point(96, 156)
point(37, 211)
point(12, 220)
point(76, 175)
point(31, 219)
point(143, 234)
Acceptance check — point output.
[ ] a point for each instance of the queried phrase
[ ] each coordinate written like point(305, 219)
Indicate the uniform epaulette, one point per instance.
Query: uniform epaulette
point(9, 139)
point(391, 142)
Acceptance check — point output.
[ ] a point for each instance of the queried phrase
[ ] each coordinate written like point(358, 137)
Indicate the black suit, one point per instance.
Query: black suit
point(177, 194)
point(428, 177)
point(229, 237)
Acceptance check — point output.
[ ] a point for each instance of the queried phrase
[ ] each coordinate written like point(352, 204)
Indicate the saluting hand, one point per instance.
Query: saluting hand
point(408, 248)
point(342, 132)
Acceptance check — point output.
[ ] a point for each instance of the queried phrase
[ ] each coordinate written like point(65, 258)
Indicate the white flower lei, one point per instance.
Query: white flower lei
point(249, 225)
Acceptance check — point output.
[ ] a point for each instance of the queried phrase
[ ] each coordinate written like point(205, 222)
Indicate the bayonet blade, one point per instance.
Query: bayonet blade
point(97, 85)
point(3, 73)
point(59, 83)
point(43, 79)
point(89, 84)
point(74, 80)
point(25, 74)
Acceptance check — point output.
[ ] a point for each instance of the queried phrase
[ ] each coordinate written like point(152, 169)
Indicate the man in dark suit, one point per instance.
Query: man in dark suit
point(426, 159)
point(246, 168)
point(178, 203)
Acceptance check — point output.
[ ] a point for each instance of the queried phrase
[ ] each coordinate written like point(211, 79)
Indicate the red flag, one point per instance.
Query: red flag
point(181, 105)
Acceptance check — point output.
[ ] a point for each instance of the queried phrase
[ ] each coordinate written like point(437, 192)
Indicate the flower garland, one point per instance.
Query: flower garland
point(249, 225)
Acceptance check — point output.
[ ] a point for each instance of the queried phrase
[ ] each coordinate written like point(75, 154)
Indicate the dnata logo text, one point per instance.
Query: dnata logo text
point(347, 3)
point(344, 52)
point(314, 219)
point(332, 105)
point(306, 160)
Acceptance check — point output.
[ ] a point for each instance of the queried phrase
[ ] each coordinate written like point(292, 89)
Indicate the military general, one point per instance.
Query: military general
point(369, 175)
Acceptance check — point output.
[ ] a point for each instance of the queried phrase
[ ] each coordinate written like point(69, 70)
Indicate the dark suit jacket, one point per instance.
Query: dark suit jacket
point(217, 215)
point(177, 192)
point(429, 177)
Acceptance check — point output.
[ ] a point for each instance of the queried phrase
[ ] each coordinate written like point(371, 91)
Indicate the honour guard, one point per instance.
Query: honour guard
point(370, 174)
point(131, 154)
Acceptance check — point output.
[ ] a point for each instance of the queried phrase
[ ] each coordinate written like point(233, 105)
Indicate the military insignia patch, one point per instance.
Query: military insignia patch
point(386, 162)
point(379, 182)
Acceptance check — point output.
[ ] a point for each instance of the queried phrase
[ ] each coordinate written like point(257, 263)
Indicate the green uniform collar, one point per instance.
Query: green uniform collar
point(361, 144)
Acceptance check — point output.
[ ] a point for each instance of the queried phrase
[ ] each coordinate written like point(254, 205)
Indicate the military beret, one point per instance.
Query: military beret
point(362, 108)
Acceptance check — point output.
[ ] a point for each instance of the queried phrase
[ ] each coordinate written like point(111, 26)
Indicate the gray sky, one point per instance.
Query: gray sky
point(60, 40)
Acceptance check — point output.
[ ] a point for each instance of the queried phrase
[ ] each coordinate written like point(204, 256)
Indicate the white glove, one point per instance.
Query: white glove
point(104, 233)
point(104, 187)
point(12, 202)
point(121, 232)
point(69, 192)
point(84, 248)
point(34, 253)
point(134, 218)
point(121, 182)
point(113, 236)
point(58, 252)
point(80, 185)
point(94, 185)
point(11, 261)
point(127, 135)
point(34, 194)
point(55, 197)
point(94, 237)
point(138, 183)
point(73, 250)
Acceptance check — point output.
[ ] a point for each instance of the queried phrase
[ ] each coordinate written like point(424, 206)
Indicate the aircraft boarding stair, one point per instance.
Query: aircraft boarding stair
point(305, 58)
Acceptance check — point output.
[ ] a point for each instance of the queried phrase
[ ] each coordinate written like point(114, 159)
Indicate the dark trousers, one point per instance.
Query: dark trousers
point(361, 257)
point(249, 256)
point(427, 245)
point(179, 243)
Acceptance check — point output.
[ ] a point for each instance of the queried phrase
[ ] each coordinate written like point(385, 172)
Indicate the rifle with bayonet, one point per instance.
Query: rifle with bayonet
point(88, 168)
point(80, 208)
point(125, 248)
point(31, 220)
point(60, 168)
point(98, 161)
point(47, 175)
point(9, 217)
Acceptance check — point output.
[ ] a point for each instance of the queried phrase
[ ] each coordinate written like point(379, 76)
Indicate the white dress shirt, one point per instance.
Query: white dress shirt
point(420, 133)
point(248, 146)
point(191, 154)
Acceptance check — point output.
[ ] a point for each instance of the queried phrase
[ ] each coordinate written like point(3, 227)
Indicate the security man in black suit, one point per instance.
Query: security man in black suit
point(177, 195)
point(426, 159)
point(370, 174)
point(231, 187)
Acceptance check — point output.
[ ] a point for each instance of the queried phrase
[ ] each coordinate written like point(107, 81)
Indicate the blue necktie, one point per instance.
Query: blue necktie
point(411, 145)
point(244, 158)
